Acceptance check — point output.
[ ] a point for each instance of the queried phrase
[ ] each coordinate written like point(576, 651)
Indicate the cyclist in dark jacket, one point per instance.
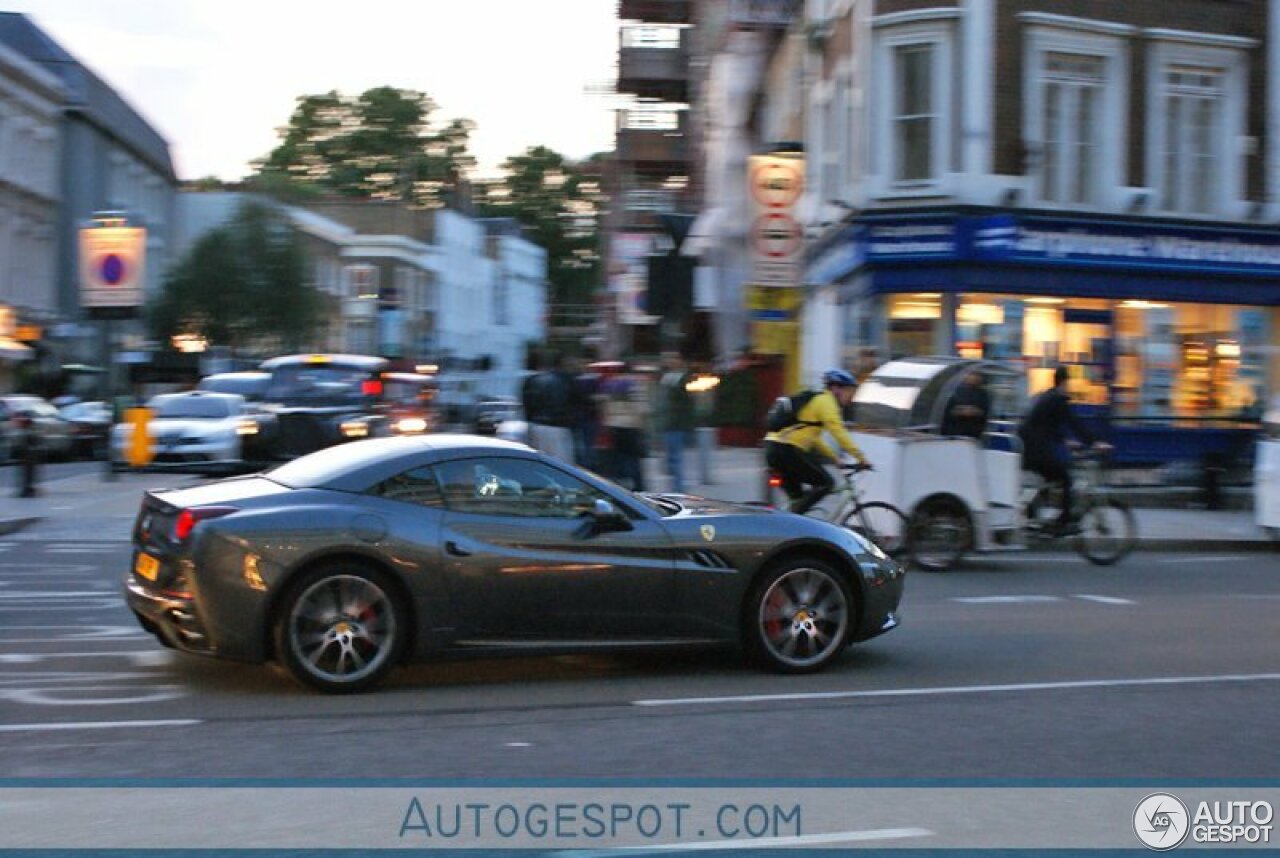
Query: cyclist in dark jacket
point(1044, 434)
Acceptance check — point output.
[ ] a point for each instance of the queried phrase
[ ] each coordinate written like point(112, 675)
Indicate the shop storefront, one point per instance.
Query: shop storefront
point(1160, 323)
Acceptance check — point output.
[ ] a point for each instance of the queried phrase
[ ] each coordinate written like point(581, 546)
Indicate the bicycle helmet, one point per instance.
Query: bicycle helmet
point(840, 377)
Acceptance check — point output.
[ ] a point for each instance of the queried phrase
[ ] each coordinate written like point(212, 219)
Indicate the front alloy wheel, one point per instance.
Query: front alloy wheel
point(799, 617)
point(339, 629)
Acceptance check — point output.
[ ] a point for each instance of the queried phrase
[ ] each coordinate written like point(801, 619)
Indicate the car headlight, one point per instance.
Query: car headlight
point(247, 427)
point(354, 429)
point(410, 426)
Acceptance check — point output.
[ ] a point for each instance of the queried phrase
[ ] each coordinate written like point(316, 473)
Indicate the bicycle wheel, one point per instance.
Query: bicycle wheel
point(1108, 532)
point(940, 534)
point(882, 523)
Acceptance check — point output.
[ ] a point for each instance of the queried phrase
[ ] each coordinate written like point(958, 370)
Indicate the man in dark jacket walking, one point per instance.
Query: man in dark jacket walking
point(1044, 442)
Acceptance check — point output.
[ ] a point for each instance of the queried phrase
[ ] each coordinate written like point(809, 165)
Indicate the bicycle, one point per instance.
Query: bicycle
point(883, 524)
point(1108, 530)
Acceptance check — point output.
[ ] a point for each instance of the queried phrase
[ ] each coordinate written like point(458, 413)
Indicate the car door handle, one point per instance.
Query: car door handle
point(456, 550)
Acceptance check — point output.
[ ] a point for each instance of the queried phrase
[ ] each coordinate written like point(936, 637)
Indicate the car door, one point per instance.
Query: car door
point(526, 557)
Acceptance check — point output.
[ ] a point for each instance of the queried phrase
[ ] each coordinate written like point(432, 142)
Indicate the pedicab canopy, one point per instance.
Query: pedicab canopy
point(911, 394)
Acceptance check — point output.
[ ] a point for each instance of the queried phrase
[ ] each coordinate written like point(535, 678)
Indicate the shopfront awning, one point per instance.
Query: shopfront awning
point(11, 349)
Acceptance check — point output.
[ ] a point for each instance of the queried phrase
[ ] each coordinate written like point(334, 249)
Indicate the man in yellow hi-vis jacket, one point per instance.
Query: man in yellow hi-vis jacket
point(797, 453)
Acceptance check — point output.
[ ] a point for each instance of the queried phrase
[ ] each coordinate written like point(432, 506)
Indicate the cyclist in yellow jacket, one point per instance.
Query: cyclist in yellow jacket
point(798, 453)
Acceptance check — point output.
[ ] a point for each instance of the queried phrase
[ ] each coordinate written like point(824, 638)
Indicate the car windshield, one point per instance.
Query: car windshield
point(191, 408)
point(315, 384)
point(250, 387)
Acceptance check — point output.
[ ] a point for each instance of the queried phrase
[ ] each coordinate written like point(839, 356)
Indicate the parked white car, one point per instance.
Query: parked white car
point(192, 427)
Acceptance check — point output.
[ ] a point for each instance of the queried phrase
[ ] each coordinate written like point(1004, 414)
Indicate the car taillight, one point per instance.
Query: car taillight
point(775, 481)
point(189, 518)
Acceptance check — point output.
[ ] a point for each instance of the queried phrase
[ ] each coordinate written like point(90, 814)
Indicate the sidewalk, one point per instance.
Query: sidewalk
point(91, 507)
point(84, 504)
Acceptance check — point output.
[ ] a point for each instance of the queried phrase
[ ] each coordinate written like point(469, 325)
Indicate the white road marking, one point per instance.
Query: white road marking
point(762, 843)
point(1105, 600)
point(1200, 558)
point(518, 745)
point(1005, 600)
point(946, 690)
point(142, 657)
point(97, 725)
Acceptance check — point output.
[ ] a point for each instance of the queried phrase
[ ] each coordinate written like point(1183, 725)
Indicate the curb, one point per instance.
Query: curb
point(1154, 544)
point(13, 525)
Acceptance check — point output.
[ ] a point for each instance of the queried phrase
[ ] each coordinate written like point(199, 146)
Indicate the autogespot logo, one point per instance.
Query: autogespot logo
point(1161, 821)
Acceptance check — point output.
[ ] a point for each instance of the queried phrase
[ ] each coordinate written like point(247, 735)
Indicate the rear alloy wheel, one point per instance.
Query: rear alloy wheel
point(339, 628)
point(941, 533)
point(799, 616)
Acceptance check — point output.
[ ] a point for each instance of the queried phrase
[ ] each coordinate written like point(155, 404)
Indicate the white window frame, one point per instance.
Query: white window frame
point(938, 34)
point(1113, 119)
point(362, 281)
point(1232, 64)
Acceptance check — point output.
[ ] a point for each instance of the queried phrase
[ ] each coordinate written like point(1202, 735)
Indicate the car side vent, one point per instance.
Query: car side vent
point(710, 560)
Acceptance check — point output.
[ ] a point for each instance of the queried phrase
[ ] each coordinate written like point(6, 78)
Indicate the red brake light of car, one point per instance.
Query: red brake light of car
point(371, 387)
point(775, 481)
point(189, 518)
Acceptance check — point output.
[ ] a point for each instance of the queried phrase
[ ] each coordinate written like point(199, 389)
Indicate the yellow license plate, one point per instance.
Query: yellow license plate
point(146, 566)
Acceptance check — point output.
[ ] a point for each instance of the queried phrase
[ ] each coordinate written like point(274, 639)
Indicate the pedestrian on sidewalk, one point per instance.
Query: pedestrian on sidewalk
point(676, 417)
point(623, 406)
point(28, 455)
point(545, 397)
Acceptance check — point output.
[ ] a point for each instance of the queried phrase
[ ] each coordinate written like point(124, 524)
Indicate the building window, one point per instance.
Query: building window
point(364, 281)
point(1192, 116)
point(911, 110)
point(1076, 115)
point(914, 113)
point(1072, 126)
point(1198, 99)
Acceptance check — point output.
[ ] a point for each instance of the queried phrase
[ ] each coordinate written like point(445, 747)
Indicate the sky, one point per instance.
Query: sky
point(218, 78)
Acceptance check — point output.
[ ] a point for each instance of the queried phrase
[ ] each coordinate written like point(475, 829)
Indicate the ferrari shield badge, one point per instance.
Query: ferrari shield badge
point(708, 532)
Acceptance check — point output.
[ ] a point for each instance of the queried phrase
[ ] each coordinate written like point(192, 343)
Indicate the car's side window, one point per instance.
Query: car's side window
point(418, 486)
point(518, 487)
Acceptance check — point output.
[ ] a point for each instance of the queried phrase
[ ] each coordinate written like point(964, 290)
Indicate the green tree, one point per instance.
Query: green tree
point(560, 203)
point(381, 144)
point(242, 285)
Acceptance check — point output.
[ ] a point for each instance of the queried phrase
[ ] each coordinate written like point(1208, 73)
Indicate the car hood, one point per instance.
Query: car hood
point(171, 427)
point(706, 507)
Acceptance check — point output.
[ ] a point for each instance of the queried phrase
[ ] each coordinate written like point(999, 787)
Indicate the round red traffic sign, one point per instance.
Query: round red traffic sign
point(776, 235)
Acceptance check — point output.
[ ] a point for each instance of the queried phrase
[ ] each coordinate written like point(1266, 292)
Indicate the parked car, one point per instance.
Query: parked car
point(196, 427)
point(54, 435)
point(347, 562)
point(90, 426)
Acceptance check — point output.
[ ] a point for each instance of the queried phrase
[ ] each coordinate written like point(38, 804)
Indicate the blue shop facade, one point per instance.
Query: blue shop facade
point(1169, 328)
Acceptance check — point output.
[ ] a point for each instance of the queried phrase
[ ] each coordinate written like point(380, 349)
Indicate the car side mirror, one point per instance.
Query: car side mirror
point(606, 518)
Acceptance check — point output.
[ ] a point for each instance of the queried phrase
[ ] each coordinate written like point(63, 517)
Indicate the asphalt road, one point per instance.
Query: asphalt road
point(1167, 666)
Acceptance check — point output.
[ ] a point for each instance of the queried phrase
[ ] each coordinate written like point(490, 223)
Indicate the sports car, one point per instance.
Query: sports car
point(349, 561)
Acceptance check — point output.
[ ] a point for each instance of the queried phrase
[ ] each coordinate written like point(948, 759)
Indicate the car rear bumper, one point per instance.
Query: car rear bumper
point(170, 616)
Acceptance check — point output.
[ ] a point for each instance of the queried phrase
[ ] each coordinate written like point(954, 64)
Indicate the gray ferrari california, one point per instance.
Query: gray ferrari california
point(349, 561)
